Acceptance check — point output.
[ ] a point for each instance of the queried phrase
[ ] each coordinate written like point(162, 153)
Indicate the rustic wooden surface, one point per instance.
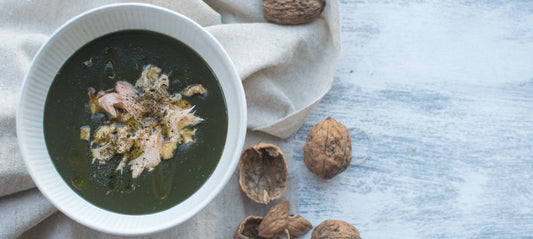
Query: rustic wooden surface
point(445, 89)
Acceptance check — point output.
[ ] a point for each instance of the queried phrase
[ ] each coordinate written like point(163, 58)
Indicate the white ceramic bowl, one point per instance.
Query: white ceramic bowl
point(67, 40)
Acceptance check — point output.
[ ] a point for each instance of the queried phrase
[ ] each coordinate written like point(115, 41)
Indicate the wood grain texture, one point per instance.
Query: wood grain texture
point(446, 91)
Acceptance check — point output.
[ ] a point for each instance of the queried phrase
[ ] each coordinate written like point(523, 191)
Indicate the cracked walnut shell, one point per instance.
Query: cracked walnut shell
point(292, 12)
point(330, 229)
point(248, 229)
point(276, 219)
point(263, 172)
point(298, 226)
point(328, 149)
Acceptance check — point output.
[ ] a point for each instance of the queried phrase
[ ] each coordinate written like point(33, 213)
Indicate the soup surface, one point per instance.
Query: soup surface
point(121, 56)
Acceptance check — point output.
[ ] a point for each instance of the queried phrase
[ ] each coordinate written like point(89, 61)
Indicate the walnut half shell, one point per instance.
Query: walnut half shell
point(330, 229)
point(276, 219)
point(263, 172)
point(248, 229)
point(298, 226)
point(328, 149)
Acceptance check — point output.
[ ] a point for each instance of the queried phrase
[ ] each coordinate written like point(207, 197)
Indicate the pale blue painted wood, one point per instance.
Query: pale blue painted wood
point(445, 88)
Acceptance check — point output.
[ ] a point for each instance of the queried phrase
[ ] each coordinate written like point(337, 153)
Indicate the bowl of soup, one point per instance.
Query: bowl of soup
point(131, 118)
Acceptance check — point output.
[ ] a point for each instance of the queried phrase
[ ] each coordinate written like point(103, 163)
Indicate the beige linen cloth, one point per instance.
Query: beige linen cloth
point(285, 71)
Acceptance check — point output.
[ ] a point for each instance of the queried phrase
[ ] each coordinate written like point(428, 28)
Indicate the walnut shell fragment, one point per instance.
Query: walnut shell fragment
point(330, 229)
point(328, 149)
point(276, 219)
point(248, 229)
point(292, 12)
point(263, 172)
point(298, 226)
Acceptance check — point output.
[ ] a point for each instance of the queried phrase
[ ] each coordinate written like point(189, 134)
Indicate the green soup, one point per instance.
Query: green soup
point(100, 64)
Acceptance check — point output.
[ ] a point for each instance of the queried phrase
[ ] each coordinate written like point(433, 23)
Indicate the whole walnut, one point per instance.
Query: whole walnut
point(330, 229)
point(292, 12)
point(328, 149)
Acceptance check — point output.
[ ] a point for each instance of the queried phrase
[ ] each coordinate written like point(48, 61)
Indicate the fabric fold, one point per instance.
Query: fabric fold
point(238, 11)
point(285, 71)
point(22, 211)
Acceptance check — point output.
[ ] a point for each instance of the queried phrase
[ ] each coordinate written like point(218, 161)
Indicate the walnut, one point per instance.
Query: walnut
point(292, 12)
point(298, 226)
point(194, 89)
point(330, 229)
point(85, 132)
point(248, 229)
point(167, 151)
point(276, 224)
point(263, 172)
point(328, 149)
point(276, 219)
